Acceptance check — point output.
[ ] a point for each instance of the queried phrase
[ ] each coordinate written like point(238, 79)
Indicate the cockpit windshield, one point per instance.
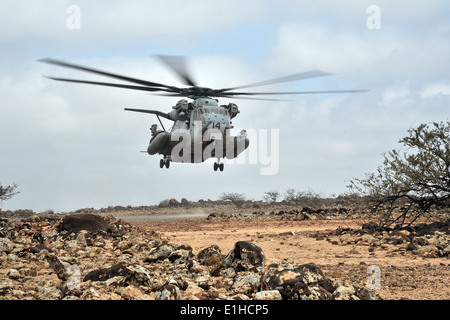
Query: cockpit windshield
point(213, 110)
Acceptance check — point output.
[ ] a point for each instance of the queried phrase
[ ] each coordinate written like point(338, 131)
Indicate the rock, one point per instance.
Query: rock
point(180, 255)
point(421, 241)
point(169, 292)
point(348, 238)
point(38, 248)
point(13, 274)
point(5, 286)
point(370, 227)
point(138, 276)
point(446, 251)
point(161, 252)
point(6, 245)
point(247, 283)
point(245, 251)
point(89, 222)
point(107, 273)
point(268, 295)
point(57, 266)
point(303, 282)
point(368, 294)
point(213, 259)
point(345, 291)
point(367, 238)
point(90, 294)
point(429, 252)
point(173, 203)
point(51, 293)
point(194, 292)
point(131, 293)
point(185, 202)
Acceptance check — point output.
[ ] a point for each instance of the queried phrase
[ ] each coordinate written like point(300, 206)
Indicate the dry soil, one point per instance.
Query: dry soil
point(402, 275)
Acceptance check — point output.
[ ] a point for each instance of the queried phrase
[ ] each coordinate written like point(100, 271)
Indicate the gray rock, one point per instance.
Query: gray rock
point(89, 222)
point(161, 252)
point(14, 274)
point(107, 273)
point(169, 292)
point(6, 245)
point(268, 295)
point(245, 251)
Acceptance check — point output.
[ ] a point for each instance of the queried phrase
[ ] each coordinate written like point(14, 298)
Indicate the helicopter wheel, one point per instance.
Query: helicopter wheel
point(164, 162)
point(218, 166)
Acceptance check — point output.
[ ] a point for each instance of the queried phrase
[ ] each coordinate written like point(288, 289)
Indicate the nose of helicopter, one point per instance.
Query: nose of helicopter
point(217, 121)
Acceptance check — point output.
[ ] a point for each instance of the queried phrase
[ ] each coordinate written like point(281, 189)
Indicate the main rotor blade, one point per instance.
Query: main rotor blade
point(293, 77)
point(233, 94)
point(178, 65)
point(104, 73)
point(155, 112)
point(251, 98)
point(107, 84)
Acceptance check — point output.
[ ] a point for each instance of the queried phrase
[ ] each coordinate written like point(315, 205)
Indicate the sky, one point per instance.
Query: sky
point(69, 146)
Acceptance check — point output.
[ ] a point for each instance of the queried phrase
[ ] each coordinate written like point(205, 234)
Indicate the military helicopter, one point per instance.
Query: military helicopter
point(201, 128)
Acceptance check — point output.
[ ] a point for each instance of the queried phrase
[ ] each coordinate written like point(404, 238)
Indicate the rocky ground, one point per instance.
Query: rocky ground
point(403, 273)
point(87, 256)
point(332, 252)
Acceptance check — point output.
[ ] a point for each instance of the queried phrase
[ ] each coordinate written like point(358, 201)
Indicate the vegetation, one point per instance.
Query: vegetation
point(237, 199)
point(306, 198)
point(271, 196)
point(409, 183)
point(7, 192)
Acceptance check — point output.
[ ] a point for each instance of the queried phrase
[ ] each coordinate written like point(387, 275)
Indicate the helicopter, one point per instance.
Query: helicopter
point(201, 126)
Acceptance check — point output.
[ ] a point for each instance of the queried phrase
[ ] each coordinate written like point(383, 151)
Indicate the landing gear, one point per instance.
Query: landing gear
point(218, 166)
point(164, 162)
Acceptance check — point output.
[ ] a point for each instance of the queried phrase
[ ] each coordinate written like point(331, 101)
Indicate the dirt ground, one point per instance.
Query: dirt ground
point(402, 275)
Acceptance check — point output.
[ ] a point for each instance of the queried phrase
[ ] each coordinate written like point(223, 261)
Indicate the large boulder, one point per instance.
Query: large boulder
point(118, 269)
point(89, 222)
point(303, 282)
point(212, 258)
point(245, 252)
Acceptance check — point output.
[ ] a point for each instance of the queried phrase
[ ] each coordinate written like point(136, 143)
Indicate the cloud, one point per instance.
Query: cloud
point(117, 20)
point(69, 146)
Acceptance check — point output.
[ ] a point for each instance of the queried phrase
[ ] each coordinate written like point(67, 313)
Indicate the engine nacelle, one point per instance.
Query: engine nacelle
point(175, 115)
point(233, 110)
point(179, 111)
point(182, 106)
point(157, 142)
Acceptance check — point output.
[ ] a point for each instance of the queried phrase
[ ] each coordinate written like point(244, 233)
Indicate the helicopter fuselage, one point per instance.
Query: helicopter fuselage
point(201, 130)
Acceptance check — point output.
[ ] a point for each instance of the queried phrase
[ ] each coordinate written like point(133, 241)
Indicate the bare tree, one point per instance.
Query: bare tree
point(291, 194)
point(271, 196)
point(6, 192)
point(409, 183)
point(236, 198)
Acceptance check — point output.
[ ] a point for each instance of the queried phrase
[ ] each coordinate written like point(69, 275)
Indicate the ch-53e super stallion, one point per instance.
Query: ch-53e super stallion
point(201, 126)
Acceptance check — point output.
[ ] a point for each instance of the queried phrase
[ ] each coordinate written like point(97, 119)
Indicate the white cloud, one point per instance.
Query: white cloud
point(71, 146)
point(433, 89)
point(118, 20)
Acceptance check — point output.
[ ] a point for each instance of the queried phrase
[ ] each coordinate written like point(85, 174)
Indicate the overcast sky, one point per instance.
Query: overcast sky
point(71, 146)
